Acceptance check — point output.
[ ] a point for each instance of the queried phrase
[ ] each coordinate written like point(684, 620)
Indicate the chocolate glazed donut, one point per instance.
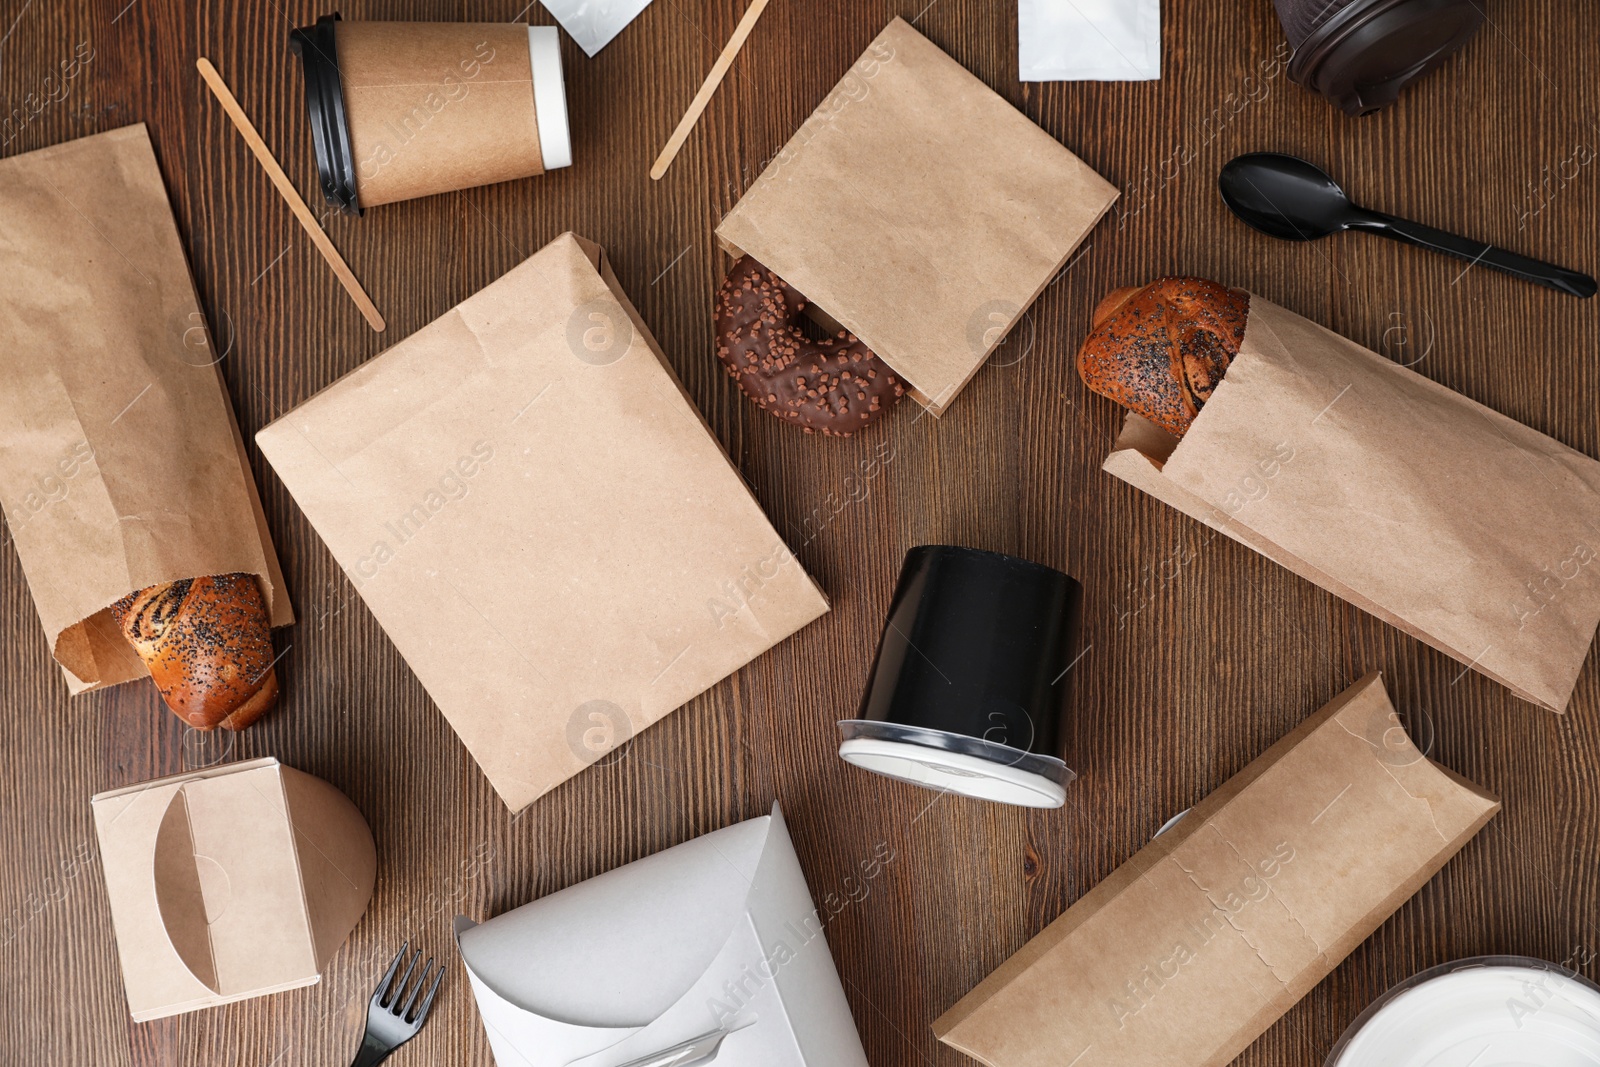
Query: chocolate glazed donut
point(834, 386)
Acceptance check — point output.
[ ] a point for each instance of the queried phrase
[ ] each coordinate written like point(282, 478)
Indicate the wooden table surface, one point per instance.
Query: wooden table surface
point(1202, 651)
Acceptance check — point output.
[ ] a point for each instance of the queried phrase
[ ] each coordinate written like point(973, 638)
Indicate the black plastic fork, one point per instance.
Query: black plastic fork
point(391, 1023)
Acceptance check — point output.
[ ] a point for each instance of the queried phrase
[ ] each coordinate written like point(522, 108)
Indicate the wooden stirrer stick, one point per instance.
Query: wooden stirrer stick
point(286, 189)
point(697, 106)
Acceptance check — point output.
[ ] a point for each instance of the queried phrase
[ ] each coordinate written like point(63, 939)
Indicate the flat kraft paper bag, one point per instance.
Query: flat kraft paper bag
point(541, 521)
point(919, 210)
point(121, 466)
point(1465, 529)
point(1191, 949)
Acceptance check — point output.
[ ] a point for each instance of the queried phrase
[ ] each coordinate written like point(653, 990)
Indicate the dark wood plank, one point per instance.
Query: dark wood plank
point(1203, 652)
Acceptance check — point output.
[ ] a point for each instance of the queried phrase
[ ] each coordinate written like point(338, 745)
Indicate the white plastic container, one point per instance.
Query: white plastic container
point(1489, 1011)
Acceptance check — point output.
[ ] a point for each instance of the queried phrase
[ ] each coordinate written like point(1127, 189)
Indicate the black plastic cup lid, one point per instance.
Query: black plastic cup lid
point(330, 128)
point(968, 686)
point(1361, 54)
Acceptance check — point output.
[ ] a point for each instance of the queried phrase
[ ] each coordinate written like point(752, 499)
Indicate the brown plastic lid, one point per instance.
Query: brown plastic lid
point(1360, 54)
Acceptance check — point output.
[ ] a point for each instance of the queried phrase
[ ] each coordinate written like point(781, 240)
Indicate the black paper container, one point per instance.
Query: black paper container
point(1360, 54)
point(969, 684)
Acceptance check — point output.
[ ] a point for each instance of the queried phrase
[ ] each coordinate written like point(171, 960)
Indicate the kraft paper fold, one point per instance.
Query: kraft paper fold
point(1466, 529)
point(919, 210)
point(541, 521)
point(121, 466)
point(1187, 952)
point(230, 882)
point(437, 106)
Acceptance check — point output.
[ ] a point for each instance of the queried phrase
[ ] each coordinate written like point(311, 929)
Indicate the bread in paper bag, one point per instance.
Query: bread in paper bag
point(121, 466)
point(1450, 521)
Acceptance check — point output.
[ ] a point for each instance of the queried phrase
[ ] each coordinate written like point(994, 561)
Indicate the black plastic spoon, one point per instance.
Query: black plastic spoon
point(1288, 198)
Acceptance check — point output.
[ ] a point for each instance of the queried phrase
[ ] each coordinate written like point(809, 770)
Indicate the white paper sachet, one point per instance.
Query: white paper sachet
point(593, 23)
point(1088, 40)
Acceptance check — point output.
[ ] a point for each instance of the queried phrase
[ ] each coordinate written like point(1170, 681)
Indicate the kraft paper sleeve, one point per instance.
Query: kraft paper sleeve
point(1186, 953)
point(437, 106)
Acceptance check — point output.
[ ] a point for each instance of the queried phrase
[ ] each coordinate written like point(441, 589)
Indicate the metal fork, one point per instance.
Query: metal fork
point(390, 1023)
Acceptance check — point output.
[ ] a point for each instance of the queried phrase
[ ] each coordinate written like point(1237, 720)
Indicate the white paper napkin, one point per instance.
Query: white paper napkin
point(1088, 40)
point(593, 23)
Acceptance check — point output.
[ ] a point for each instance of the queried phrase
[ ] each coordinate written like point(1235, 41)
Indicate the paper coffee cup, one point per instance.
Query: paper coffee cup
point(407, 109)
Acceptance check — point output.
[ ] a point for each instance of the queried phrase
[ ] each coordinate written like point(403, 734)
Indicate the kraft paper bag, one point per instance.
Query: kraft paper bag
point(1466, 529)
point(121, 466)
point(230, 882)
point(919, 210)
point(541, 521)
point(1192, 948)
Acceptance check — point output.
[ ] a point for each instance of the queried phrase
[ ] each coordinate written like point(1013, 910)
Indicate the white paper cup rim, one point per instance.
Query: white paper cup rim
point(550, 97)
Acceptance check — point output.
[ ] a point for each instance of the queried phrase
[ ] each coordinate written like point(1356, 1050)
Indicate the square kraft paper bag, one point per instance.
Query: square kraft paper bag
point(1442, 517)
point(920, 211)
point(541, 521)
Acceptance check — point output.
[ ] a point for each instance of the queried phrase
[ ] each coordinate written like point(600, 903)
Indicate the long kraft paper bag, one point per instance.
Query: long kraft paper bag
point(121, 465)
point(919, 210)
point(541, 521)
point(1458, 525)
point(1191, 949)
